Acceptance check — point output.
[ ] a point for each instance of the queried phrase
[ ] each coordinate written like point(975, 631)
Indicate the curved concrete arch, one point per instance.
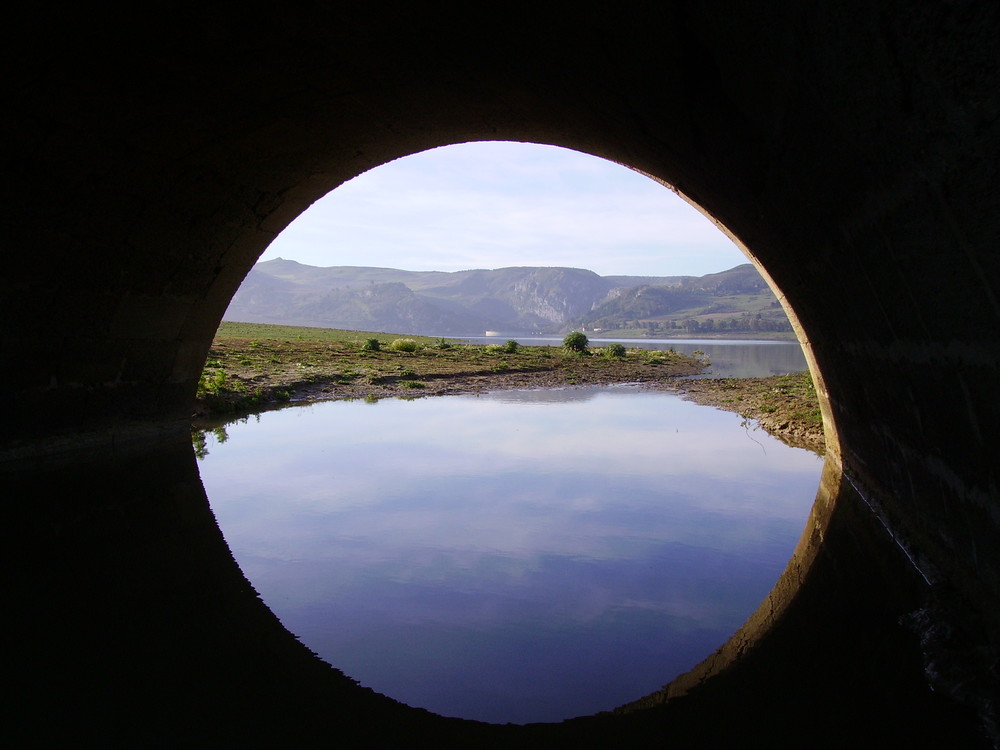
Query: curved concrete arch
point(852, 151)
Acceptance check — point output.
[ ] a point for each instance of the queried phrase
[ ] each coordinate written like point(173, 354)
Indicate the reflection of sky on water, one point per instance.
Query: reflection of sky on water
point(508, 558)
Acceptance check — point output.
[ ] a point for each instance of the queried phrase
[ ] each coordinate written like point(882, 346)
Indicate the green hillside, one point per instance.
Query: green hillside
point(516, 300)
point(733, 302)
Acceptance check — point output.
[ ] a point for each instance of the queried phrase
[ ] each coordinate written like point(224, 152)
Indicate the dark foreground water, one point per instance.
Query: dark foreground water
point(522, 556)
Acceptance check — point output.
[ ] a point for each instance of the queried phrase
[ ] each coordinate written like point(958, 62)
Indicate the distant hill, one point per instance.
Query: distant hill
point(737, 301)
point(510, 300)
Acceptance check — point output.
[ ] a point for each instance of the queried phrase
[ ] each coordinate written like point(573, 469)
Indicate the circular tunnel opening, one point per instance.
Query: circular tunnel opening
point(616, 627)
point(852, 152)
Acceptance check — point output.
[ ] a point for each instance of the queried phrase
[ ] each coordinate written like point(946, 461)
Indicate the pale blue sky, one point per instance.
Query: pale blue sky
point(497, 204)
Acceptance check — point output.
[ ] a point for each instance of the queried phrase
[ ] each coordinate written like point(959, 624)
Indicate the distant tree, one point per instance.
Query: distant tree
point(577, 342)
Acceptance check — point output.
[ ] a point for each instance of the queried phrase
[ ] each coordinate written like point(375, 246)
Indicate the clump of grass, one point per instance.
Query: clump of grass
point(371, 345)
point(811, 417)
point(404, 345)
point(211, 382)
point(411, 384)
point(614, 351)
point(223, 394)
point(442, 343)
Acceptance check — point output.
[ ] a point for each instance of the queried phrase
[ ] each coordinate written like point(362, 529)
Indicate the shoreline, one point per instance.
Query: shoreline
point(784, 406)
point(244, 376)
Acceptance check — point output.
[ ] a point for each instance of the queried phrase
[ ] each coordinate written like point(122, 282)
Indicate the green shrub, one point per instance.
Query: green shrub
point(210, 383)
point(404, 345)
point(510, 346)
point(576, 342)
point(615, 351)
point(442, 343)
point(371, 345)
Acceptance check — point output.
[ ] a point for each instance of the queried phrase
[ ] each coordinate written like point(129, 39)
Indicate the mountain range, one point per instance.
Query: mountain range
point(517, 300)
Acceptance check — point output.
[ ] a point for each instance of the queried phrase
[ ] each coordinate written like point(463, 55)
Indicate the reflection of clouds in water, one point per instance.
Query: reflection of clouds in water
point(640, 431)
point(634, 526)
point(460, 589)
point(483, 474)
point(348, 448)
point(546, 395)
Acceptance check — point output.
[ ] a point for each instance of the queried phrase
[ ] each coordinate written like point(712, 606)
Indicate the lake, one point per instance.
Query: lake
point(730, 358)
point(512, 557)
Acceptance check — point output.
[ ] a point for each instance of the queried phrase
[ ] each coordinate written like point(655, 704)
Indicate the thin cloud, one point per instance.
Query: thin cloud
point(489, 205)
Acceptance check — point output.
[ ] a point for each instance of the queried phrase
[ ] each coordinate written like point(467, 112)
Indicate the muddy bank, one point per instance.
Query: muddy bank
point(244, 376)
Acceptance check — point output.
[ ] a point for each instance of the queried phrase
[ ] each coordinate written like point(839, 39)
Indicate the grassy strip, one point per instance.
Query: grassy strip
point(254, 366)
point(269, 331)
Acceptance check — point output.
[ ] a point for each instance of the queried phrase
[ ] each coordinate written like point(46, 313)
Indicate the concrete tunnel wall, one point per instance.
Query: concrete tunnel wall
point(853, 151)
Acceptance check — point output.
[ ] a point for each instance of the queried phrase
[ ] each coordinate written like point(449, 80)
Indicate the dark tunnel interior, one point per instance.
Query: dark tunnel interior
point(852, 150)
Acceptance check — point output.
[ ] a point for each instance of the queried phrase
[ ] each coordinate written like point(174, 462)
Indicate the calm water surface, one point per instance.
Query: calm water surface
point(521, 556)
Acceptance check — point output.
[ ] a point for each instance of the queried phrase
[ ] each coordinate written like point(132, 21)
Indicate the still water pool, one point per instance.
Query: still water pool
point(513, 557)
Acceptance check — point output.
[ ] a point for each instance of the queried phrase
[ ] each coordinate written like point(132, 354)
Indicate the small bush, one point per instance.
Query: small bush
point(404, 345)
point(577, 342)
point(615, 351)
point(210, 383)
point(371, 345)
point(510, 346)
point(442, 343)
